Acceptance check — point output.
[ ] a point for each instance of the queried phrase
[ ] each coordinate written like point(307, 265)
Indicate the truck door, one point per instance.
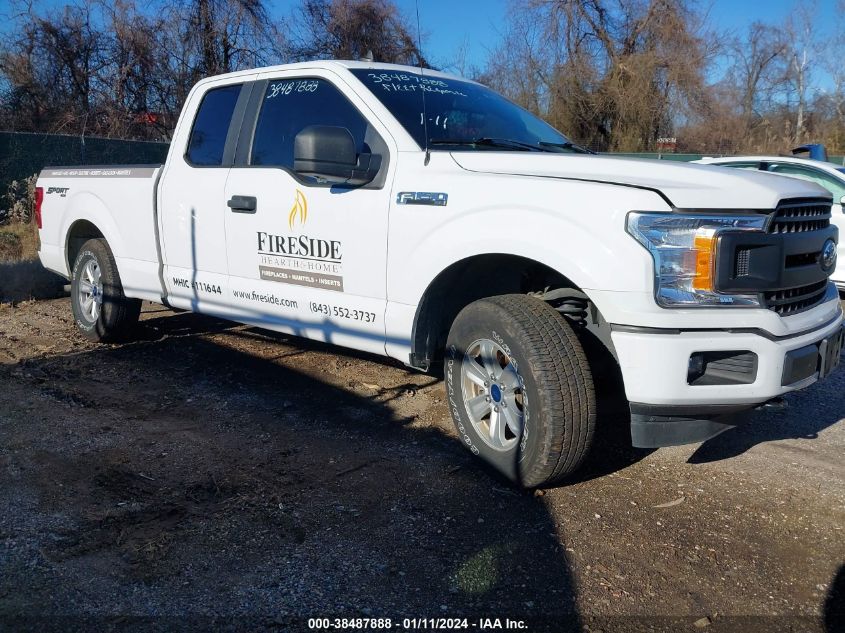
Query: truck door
point(192, 206)
point(307, 257)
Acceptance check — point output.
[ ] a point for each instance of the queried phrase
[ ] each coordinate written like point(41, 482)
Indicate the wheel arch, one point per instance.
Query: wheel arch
point(79, 232)
point(477, 277)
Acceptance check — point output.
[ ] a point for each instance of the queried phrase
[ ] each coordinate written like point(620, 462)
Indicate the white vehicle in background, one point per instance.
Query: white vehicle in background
point(828, 175)
point(426, 218)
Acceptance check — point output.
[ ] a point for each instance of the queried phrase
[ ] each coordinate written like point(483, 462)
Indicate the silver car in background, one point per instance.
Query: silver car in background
point(829, 175)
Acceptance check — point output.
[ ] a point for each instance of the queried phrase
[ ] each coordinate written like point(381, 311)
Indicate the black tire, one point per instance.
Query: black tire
point(118, 314)
point(558, 406)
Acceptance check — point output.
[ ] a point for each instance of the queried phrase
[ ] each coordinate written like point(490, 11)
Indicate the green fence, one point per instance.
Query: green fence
point(23, 154)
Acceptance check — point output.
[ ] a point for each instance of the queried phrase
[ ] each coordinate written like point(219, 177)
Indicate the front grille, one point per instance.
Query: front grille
point(802, 259)
point(794, 300)
point(742, 262)
point(798, 217)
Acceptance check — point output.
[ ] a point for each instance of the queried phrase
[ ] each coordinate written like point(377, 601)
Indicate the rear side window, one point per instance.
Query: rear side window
point(211, 126)
point(291, 105)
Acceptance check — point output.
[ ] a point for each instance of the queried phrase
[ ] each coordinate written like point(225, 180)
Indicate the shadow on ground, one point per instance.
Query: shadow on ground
point(793, 423)
point(184, 476)
point(21, 281)
point(834, 606)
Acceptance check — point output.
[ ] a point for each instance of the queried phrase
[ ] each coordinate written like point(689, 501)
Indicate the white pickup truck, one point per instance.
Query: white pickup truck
point(420, 216)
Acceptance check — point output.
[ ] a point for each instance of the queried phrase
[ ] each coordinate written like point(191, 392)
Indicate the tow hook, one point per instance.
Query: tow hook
point(775, 404)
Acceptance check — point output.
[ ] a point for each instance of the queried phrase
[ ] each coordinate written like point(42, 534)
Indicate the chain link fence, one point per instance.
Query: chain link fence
point(23, 154)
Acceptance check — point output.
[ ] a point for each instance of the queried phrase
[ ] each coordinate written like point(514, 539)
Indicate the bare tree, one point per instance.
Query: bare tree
point(517, 67)
point(798, 73)
point(755, 68)
point(228, 34)
point(114, 69)
point(614, 74)
point(51, 65)
point(349, 29)
point(830, 104)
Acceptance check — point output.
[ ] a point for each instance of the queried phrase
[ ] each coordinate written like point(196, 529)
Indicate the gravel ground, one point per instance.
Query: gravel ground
point(213, 474)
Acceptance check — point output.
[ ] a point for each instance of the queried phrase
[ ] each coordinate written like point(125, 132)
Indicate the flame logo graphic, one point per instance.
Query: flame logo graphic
point(298, 210)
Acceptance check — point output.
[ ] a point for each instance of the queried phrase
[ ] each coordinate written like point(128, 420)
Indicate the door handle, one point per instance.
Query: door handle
point(242, 204)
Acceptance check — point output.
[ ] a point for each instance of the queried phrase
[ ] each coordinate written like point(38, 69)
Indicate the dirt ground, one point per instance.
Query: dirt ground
point(212, 473)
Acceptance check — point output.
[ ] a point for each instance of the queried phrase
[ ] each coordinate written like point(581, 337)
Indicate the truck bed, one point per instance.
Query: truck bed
point(120, 201)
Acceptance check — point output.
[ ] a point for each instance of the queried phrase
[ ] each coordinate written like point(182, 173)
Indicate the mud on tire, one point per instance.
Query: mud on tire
point(519, 389)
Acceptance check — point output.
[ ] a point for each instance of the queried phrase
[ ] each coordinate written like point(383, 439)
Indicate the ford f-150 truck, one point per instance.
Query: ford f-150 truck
point(424, 217)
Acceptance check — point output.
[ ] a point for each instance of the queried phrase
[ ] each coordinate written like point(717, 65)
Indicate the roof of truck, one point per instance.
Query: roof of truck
point(335, 64)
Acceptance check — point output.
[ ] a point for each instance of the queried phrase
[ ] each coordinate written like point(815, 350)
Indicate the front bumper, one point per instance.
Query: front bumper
point(668, 410)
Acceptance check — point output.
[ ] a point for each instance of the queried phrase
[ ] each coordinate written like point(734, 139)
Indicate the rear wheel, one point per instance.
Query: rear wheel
point(100, 309)
point(519, 388)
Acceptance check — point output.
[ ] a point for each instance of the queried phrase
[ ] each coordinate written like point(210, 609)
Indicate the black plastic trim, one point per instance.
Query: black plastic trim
point(655, 426)
point(800, 364)
point(235, 124)
point(248, 123)
point(781, 203)
point(724, 367)
point(768, 253)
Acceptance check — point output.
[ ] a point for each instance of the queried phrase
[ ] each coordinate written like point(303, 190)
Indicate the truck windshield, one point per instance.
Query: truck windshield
point(461, 115)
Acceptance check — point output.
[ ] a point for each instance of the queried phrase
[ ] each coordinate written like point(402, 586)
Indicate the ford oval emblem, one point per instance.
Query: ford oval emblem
point(829, 255)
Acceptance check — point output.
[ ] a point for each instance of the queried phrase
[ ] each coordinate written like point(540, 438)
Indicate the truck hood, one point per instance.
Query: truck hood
point(683, 185)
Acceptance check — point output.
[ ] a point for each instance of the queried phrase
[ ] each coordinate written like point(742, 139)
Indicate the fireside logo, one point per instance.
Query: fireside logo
point(298, 259)
point(299, 210)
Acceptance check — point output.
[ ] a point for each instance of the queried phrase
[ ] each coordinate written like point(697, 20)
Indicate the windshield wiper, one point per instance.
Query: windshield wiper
point(568, 146)
point(490, 142)
point(541, 146)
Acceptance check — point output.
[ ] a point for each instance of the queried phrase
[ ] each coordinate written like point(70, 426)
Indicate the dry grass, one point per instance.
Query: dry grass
point(22, 277)
point(18, 241)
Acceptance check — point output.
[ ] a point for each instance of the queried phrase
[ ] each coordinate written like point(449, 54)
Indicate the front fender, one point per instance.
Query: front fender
point(593, 253)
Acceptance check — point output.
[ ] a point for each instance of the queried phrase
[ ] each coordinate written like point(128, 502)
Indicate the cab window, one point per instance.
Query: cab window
point(211, 126)
point(291, 105)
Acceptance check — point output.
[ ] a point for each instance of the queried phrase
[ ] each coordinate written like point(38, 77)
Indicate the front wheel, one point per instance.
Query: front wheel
point(100, 309)
point(519, 388)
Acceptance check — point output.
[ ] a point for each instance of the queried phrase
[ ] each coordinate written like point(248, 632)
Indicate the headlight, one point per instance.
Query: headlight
point(684, 252)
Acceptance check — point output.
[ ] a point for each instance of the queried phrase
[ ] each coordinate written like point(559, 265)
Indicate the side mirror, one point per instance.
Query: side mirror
point(328, 153)
point(842, 201)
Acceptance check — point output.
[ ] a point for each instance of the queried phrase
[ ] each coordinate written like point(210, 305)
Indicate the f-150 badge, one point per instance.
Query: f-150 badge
point(432, 198)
